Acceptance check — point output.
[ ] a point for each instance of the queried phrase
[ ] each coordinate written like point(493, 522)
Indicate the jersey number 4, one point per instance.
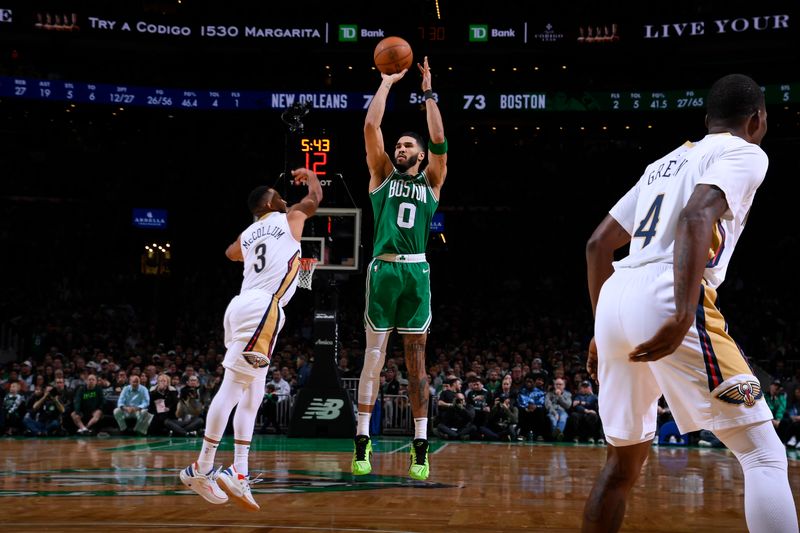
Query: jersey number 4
point(650, 221)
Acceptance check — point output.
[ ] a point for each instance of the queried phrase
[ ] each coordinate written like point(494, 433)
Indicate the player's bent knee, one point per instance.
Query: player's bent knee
point(373, 362)
point(755, 445)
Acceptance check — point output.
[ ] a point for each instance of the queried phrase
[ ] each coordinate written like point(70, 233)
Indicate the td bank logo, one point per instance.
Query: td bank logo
point(348, 33)
point(323, 409)
point(478, 33)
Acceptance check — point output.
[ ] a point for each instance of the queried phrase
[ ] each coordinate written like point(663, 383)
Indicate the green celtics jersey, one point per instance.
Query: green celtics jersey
point(403, 207)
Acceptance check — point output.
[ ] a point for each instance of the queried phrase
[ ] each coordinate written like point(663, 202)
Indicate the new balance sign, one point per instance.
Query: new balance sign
point(322, 409)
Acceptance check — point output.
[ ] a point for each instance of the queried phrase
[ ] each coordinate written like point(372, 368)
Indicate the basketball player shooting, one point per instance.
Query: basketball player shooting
point(270, 250)
point(404, 199)
point(657, 328)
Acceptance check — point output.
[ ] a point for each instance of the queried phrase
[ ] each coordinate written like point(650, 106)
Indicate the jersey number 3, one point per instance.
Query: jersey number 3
point(261, 250)
point(650, 221)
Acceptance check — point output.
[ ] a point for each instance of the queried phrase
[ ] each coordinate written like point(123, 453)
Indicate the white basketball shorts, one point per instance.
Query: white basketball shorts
point(707, 382)
point(252, 322)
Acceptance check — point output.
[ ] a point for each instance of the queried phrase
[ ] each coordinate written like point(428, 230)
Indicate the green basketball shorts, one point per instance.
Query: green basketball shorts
point(398, 296)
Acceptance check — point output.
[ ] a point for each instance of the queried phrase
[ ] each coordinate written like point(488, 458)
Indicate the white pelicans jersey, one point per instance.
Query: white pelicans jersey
point(271, 257)
point(649, 211)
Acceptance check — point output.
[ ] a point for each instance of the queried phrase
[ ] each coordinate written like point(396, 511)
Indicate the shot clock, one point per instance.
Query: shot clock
point(316, 151)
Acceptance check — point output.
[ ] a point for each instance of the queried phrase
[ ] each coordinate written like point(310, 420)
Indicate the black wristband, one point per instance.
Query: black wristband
point(427, 95)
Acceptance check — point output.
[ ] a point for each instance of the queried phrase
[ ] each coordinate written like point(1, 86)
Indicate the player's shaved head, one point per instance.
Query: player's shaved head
point(258, 197)
point(264, 199)
point(733, 98)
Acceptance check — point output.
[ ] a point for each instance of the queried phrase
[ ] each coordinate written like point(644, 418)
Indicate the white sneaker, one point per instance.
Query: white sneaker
point(792, 442)
point(203, 484)
point(237, 487)
point(673, 439)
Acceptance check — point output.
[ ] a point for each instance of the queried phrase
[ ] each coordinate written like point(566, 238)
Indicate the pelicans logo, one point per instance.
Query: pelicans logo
point(256, 360)
point(745, 392)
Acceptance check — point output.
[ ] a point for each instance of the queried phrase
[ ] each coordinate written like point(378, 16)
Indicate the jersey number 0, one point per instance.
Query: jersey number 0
point(405, 215)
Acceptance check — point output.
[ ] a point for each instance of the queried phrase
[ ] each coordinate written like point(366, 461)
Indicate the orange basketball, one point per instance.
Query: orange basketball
point(392, 55)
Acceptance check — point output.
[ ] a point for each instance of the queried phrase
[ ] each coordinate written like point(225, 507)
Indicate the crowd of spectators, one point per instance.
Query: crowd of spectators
point(91, 391)
point(105, 370)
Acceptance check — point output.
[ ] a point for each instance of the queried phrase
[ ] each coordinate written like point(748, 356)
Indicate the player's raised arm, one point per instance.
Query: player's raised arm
point(299, 212)
point(378, 162)
point(437, 146)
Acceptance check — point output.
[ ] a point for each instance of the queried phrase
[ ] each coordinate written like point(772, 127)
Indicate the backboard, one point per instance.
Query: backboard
point(333, 237)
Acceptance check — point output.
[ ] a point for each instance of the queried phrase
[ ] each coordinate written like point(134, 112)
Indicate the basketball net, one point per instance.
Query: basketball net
point(306, 272)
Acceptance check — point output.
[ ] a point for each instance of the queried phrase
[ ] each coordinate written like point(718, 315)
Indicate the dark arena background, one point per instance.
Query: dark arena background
point(131, 133)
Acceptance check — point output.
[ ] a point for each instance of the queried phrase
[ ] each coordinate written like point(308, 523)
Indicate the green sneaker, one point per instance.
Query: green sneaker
point(420, 468)
point(362, 455)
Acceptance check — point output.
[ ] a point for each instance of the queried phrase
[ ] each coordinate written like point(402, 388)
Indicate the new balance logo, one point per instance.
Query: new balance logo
point(323, 409)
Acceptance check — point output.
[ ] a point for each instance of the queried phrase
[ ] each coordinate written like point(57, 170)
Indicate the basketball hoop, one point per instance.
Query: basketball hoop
point(306, 272)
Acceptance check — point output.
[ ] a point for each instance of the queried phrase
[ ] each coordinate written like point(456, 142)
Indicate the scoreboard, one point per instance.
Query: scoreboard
point(519, 100)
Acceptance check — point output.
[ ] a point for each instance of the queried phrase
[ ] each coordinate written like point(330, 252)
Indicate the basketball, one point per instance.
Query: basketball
point(392, 55)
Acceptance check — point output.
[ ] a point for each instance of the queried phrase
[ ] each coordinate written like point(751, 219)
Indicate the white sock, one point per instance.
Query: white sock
point(768, 502)
point(421, 428)
point(240, 453)
point(206, 460)
point(363, 423)
point(243, 422)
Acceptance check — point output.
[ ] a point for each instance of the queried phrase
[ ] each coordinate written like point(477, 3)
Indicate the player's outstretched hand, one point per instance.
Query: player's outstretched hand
point(394, 78)
point(425, 70)
point(666, 340)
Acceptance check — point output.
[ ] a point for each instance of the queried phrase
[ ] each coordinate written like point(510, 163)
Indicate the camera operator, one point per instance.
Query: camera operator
point(456, 422)
point(190, 410)
point(504, 417)
point(44, 412)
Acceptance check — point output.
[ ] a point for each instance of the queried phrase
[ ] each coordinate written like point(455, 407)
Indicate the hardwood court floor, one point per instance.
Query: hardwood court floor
point(131, 484)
